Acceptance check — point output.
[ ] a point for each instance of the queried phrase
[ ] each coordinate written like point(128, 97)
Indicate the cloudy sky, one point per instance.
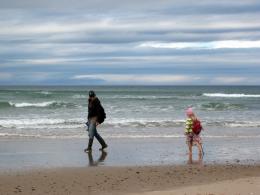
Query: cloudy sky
point(137, 42)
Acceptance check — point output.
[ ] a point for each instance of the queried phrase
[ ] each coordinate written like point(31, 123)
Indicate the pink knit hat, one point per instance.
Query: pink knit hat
point(189, 111)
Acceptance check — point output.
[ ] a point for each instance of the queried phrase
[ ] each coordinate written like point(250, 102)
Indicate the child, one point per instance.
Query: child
point(191, 137)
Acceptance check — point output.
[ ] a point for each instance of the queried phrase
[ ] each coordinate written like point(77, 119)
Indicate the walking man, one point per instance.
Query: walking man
point(96, 115)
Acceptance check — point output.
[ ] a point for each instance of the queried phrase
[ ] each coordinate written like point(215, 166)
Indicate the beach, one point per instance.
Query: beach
point(43, 137)
point(134, 97)
point(129, 166)
point(192, 179)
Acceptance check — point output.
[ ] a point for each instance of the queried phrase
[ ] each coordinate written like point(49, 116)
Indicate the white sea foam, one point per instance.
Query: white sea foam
point(43, 104)
point(19, 135)
point(45, 92)
point(75, 123)
point(143, 123)
point(180, 136)
point(79, 123)
point(231, 95)
point(41, 123)
point(75, 135)
point(26, 104)
point(244, 124)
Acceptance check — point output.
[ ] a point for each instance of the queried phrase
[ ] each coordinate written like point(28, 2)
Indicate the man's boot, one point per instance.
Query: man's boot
point(101, 141)
point(89, 149)
point(103, 146)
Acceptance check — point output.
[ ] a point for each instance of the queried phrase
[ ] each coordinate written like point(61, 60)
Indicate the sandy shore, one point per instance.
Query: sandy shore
point(250, 186)
point(189, 179)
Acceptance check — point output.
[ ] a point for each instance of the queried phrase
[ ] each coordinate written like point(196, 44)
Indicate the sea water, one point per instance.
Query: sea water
point(132, 111)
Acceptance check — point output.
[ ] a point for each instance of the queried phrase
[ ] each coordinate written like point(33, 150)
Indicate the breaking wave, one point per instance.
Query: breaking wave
point(74, 135)
point(49, 104)
point(231, 95)
point(79, 123)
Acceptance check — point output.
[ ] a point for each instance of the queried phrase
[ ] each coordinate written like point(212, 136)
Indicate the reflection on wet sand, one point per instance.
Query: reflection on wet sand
point(93, 162)
point(199, 161)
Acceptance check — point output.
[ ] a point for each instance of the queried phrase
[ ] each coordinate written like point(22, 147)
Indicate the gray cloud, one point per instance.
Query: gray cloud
point(176, 6)
point(215, 7)
point(103, 37)
point(89, 4)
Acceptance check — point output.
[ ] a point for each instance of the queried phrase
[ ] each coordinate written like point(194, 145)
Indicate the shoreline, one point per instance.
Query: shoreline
point(27, 154)
point(129, 179)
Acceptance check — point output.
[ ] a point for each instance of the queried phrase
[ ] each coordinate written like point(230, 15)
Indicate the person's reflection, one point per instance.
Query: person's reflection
point(199, 161)
point(100, 159)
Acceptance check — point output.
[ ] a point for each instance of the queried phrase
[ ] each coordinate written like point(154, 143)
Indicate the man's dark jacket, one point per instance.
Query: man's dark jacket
point(95, 109)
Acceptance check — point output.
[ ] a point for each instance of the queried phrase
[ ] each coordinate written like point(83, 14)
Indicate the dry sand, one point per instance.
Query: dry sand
point(155, 180)
point(245, 186)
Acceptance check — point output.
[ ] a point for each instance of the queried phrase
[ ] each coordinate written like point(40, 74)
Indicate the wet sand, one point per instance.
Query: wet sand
point(189, 179)
point(28, 153)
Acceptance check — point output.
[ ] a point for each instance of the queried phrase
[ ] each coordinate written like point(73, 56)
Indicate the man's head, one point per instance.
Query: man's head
point(92, 94)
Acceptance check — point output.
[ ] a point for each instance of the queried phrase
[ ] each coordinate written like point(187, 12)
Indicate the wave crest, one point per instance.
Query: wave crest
point(231, 95)
point(25, 104)
point(144, 123)
point(49, 104)
point(79, 123)
point(221, 106)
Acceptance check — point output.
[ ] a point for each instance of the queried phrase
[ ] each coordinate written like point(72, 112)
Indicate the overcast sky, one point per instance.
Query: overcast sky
point(137, 42)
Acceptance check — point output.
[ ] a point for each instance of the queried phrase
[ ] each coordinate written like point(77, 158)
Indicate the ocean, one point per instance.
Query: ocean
point(132, 111)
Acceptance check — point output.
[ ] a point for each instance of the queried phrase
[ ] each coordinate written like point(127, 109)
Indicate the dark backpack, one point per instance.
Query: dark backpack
point(196, 127)
point(101, 114)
